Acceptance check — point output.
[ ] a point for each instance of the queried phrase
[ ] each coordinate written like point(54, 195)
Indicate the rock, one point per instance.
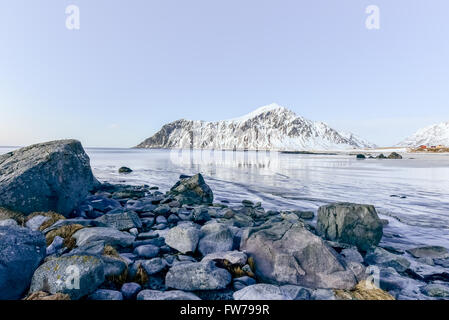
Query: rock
point(352, 255)
point(306, 215)
point(121, 221)
point(323, 295)
point(261, 291)
point(77, 276)
point(193, 190)
point(67, 222)
point(183, 238)
point(110, 236)
point(242, 282)
point(94, 248)
point(234, 257)
point(381, 156)
point(146, 251)
point(130, 290)
point(104, 294)
point(55, 246)
point(394, 155)
point(8, 223)
point(241, 221)
point(349, 223)
point(124, 170)
point(113, 267)
point(96, 206)
point(21, 252)
point(434, 252)
point(197, 276)
point(296, 292)
point(166, 295)
point(215, 237)
point(161, 220)
point(436, 290)
point(151, 266)
point(286, 253)
point(52, 176)
point(35, 222)
point(361, 156)
point(381, 257)
point(201, 215)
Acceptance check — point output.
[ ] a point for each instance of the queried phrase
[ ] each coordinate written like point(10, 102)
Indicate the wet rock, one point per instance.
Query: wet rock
point(110, 236)
point(261, 291)
point(183, 238)
point(193, 190)
point(77, 276)
point(21, 252)
point(197, 276)
point(52, 176)
point(124, 170)
point(121, 221)
point(130, 290)
point(354, 224)
point(287, 253)
point(382, 257)
point(104, 294)
point(434, 252)
point(215, 237)
point(166, 295)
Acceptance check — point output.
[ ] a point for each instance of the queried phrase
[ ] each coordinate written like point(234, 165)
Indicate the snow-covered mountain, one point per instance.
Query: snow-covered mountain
point(268, 128)
point(437, 134)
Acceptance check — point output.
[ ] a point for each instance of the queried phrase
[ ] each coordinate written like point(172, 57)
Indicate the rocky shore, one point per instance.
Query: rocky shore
point(66, 236)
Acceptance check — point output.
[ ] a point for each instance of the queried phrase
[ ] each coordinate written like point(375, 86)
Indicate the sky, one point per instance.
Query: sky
point(135, 65)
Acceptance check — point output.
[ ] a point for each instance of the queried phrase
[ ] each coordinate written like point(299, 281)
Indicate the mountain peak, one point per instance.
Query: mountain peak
point(268, 108)
point(437, 134)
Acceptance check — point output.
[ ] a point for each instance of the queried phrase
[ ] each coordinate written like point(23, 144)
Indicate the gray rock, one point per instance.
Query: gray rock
point(352, 255)
point(104, 294)
point(110, 236)
point(94, 248)
point(21, 252)
point(197, 276)
point(183, 238)
point(35, 222)
point(434, 252)
point(67, 222)
point(8, 223)
point(113, 267)
point(146, 251)
point(234, 257)
point(161, 220)
point(296, 292)
point(201, 215)
point(55, 246)
point(121, 221)
point(52, 176)
point(436, 290)
point(166, 295)
point(381, 257)
point(350, 223)
point(261, 291)
point(152, 266)
point(215, 237)
point(130, 290)
point(286, 253)
point(193, 190)
point(323, 294)
point(242, 282)
point(77, 276)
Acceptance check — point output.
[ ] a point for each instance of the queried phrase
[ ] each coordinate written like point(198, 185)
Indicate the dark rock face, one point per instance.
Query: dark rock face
point(286, 253)
point(52, 176)
point(361, 156)
point(21, 252)
point(394, 155)
point(192, 191)
point(124, 170)
point(354, 224)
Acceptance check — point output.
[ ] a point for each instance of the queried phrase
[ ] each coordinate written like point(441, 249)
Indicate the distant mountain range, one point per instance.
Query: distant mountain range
point(268, 128)
point(434, 135)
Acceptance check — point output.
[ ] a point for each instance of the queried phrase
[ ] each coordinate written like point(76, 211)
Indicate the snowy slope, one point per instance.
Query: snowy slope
point(437, 134)
point(268, 128)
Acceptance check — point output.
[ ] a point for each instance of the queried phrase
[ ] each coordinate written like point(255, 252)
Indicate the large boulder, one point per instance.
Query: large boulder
point(215, 237)
point(261, 291)
point(21, 252)
point(192, 190)
point(287, 253)
point(183, 237)
point(52, 176)
point(76, 276)
point(193, 276)
point(355, 224)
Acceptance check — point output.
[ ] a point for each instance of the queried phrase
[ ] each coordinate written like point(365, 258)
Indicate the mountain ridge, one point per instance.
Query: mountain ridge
point(433, 135)
point(270, 127)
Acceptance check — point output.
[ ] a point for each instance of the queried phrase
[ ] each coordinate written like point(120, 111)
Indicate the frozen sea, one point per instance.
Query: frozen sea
point(412, 193)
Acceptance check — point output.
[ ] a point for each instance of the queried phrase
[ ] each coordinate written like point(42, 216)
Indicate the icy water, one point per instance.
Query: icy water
point(418, 214)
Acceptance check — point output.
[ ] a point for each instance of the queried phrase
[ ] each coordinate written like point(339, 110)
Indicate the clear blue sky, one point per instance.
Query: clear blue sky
point(135, 65)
